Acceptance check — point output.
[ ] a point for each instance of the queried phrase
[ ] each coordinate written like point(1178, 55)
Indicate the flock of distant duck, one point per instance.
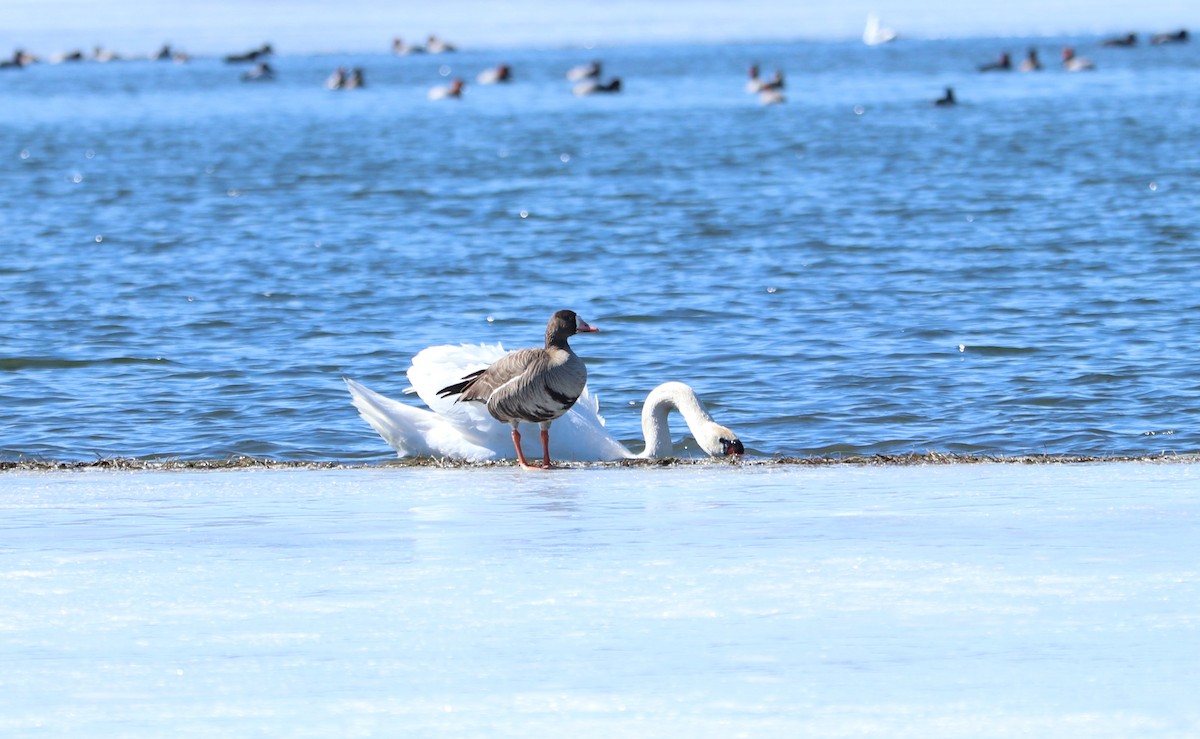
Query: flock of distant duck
point(587, 79)
point(1071, 62)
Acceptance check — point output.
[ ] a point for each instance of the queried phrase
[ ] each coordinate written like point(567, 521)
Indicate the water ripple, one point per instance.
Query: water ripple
point(1000, 278)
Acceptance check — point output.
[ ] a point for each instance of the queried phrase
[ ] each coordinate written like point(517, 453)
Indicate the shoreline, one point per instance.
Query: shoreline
point(132, 464)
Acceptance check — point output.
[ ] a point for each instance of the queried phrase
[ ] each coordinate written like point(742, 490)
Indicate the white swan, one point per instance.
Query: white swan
point(875, 34)
point(466, 432)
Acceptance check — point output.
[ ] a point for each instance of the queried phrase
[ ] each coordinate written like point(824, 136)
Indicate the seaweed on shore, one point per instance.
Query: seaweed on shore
point(134, 464)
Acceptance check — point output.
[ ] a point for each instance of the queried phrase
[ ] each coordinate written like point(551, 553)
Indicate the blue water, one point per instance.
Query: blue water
point(192, 263)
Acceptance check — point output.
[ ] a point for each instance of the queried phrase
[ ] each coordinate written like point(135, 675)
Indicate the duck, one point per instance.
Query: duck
point(775, 83)
point(355, 81)
point(771, 97)
point(946, 100)
point(400, 48)
point(588, 71)
point(102, 55)
point(1178, 37)
point(262, 72)
point(19, 60)
point(435, 45)
point(755, 83)
point(492, 76)
point(1003, 64)
point(1129, 39)
point(1031, 63)
point(336, 79)
point(75, 55)
point(1073, 63)
point(250, 56)
point(591, 87)
point(466, 432)
point(452, 91)
point(167, 54)
point(531, 385)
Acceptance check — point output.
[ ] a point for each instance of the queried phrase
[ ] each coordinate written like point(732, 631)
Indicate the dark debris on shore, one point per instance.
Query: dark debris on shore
point(132, 464)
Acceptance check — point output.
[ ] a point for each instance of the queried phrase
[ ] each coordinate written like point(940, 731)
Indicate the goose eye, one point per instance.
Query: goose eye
point(732, 446)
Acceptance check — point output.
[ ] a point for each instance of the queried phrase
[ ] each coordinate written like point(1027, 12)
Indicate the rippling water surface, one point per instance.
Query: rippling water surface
point(192, 263)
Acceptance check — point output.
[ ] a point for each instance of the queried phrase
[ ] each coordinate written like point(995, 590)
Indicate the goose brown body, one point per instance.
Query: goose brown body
point(531, 385)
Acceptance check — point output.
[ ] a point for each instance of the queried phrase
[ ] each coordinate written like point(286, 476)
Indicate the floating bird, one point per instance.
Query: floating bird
point(1073, 63)
point(946, 100)
point(755, 83)
point(587, 71)
point(466, 432)
point(435, 45)
point(591, 87)
point(18, 60)
point(251, 56)
point(452, 91)
point(1003, 64)
point(75, 55)
point(874, 34)
point(771, 96)
point(336, 80)
point(262, 72)
point(492, 76)
point(402, 49)
point(1031, 63)
point(102, 55)
point(1179, 37)
point(1129, 39)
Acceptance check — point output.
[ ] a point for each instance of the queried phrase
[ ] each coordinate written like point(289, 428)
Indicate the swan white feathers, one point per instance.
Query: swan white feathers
point(875, 34)
point(467, 432)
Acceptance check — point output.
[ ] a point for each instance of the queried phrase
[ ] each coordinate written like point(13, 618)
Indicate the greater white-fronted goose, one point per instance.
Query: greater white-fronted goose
point(532, 385)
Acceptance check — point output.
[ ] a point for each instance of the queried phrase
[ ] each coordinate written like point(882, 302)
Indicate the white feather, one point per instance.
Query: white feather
point(466, 431)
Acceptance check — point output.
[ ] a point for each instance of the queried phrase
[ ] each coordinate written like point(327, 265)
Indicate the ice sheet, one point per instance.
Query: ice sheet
point(981, 600)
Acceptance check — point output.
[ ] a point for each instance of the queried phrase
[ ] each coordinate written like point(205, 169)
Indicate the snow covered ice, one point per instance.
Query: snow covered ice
point(705, 600)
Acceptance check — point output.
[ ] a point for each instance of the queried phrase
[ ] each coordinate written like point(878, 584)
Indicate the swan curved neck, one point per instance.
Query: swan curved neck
point(659, 403)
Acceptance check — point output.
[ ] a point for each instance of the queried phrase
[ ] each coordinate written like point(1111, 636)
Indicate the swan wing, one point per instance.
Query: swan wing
point(580, 435)
point(466, 431)
point(415, 432)
point(438, 366)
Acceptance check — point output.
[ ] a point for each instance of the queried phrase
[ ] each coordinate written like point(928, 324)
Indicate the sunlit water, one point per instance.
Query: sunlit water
point(192, 263)
point(992, 600)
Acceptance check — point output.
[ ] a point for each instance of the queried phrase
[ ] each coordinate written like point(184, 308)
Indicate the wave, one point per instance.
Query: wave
point(15, 364)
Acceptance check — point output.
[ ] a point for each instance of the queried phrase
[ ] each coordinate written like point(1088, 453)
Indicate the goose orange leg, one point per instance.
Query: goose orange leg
point(516, 437)
point(546, 449)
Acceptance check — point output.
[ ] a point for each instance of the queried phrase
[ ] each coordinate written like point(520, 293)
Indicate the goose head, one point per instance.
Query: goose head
point(565, 324)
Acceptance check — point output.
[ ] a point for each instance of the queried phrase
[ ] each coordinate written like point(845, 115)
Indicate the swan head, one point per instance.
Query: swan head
point(718, 441)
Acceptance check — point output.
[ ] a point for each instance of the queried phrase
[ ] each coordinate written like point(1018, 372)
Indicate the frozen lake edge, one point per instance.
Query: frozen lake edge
point(246, 462)
point(700, 599)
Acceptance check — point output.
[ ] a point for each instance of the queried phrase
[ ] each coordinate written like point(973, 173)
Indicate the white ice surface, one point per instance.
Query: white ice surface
point(711, 601)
